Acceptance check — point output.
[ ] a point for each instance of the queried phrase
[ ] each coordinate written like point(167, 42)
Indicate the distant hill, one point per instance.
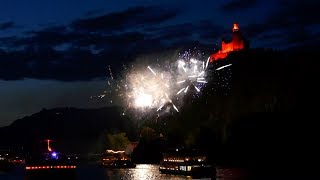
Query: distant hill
point(72, 129)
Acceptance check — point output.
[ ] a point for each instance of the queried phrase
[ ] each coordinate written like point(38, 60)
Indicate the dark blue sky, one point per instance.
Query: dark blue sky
point(50, 51)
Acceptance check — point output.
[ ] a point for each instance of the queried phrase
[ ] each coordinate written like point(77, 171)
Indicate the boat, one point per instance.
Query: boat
point(116, 159)
point(49, 164)
point(186, 162)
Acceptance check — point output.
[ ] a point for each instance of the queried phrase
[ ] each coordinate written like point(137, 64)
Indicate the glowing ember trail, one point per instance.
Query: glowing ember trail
point(175, 108)
point(180, 91)
point(223, 67)
point(152, 71)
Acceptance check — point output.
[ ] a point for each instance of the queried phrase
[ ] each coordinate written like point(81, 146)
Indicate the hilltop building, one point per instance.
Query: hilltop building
point(237, 43)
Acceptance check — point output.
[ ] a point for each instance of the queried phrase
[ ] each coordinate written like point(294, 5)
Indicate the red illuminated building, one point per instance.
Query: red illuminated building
point(237, 43)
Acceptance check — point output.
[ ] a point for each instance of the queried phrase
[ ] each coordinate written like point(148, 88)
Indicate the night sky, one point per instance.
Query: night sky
point(55, 53)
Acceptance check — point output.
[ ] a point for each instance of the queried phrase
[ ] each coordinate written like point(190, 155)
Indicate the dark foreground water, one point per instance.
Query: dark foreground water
point(141, 172)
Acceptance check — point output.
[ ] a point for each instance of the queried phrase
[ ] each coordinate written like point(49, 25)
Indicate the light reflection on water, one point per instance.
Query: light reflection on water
point(142, 171)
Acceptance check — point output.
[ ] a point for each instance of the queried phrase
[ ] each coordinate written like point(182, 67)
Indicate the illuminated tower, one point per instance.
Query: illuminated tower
point(237, 43)
point(237, 39)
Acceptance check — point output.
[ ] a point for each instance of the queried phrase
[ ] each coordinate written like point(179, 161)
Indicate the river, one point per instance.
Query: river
point(141, 172)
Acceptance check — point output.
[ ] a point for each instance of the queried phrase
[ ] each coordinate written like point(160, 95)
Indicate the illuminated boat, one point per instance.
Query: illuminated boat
point(117, 159)
point(186, 162)
point(49, 164)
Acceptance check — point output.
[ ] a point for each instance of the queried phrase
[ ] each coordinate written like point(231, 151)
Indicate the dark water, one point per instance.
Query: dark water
point(141, 172)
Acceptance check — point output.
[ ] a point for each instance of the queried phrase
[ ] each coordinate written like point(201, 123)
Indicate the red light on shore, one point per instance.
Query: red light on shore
point(49, 167)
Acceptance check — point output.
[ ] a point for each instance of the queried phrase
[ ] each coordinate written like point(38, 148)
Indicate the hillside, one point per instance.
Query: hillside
point(74, 130)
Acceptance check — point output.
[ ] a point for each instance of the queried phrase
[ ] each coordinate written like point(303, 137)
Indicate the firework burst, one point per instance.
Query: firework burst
point(158, 86)
point(191, 73)
point(149, 89)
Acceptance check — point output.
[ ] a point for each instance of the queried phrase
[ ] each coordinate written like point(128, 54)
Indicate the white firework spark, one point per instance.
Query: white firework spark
point(152, 71)
point(191, 74)
point(175, 107)
point(180, 91)
point(207, 63)
point(149, 89)
point(223, 67)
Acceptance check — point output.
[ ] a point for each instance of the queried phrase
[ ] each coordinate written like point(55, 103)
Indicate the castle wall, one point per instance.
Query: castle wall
point(237, 43)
